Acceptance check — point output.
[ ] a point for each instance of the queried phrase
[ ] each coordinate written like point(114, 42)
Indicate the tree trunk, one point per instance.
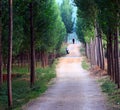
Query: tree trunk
point(21, 59)
point(32, 55)
point(100, 48)
point(117, 57)
point(115, 63)
point(112, 58)
point(97, 53)
point(108, 58)
point(28, 60)
point(1, 75)
point(43, 59)
point(9, 69)
point(102, 54)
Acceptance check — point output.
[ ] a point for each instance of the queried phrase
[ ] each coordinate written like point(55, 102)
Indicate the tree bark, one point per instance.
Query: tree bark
point(9, 65)
point(1, 75)
point(117, 57)
point(108, 59)
point(102, 54)
point(32, 55)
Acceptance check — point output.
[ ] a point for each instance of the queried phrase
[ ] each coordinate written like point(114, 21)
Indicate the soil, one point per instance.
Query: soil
point(73, 89)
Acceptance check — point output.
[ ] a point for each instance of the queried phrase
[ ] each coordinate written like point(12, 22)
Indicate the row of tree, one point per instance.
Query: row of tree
point(32, 26)
point(98, 27)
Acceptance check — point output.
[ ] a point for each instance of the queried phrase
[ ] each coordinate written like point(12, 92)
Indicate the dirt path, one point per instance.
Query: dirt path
point(73, 89)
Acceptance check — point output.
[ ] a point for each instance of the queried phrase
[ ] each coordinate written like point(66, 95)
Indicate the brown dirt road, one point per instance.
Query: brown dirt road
point(73, 89)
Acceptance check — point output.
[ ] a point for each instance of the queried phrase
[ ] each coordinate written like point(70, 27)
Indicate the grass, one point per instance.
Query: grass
point(22, 93)
point(18, 70)
point(110, 88)
point(85, 65)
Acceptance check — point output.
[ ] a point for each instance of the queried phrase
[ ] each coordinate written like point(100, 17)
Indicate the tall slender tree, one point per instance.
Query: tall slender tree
point(66, 13)
point(1, 77)
point(9, 65)
point(32, 53)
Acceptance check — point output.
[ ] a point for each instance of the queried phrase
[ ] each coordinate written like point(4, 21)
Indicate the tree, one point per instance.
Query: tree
point(9, 66)
point(48, 26)
point(66, 13)
point(103, 15)
point(109, 21)
point(89, 17)
point(1, 76)
point(32, 55)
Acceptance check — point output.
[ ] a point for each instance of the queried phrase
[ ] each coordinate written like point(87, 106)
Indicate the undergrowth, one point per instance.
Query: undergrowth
point(85, 65)
point(22, 93)
point(111, 89)
point(18, 70)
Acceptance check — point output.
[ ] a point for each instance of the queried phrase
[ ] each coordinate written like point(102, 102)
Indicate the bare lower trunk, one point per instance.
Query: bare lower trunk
point(44, 59)
point(32, 55)
point(117, 58)
point(10, 54)
point(102, 55)
point(108, 59)
point(112, 58)
point(1, 75)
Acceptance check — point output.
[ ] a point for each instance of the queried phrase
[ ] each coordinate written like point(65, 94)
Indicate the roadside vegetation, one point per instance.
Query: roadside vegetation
point(110, 88)
point(22, 93)
point(32, 36)
point(85, 64)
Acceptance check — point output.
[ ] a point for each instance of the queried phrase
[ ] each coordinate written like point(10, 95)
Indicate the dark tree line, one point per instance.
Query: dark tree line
point(98, 28)
point(28, 27)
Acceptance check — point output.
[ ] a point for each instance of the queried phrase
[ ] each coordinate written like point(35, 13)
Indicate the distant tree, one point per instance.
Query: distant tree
point(79, 31)
point(91, 29)
point(66, 13)
point(48, 26)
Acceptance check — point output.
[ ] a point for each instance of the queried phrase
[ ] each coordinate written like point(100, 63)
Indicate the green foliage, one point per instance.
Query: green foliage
point(22, 93)
point(18, 70)
point(87, 10)
point(49, 30)
point(111, 89)
point(85, 65)
point(85, 33)
point(63, 49)
point(86, 19)
point(66, 13)
point(108, 14)
point(79, 30)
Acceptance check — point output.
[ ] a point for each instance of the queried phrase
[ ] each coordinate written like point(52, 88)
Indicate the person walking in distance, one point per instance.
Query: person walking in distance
point(73, 40)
